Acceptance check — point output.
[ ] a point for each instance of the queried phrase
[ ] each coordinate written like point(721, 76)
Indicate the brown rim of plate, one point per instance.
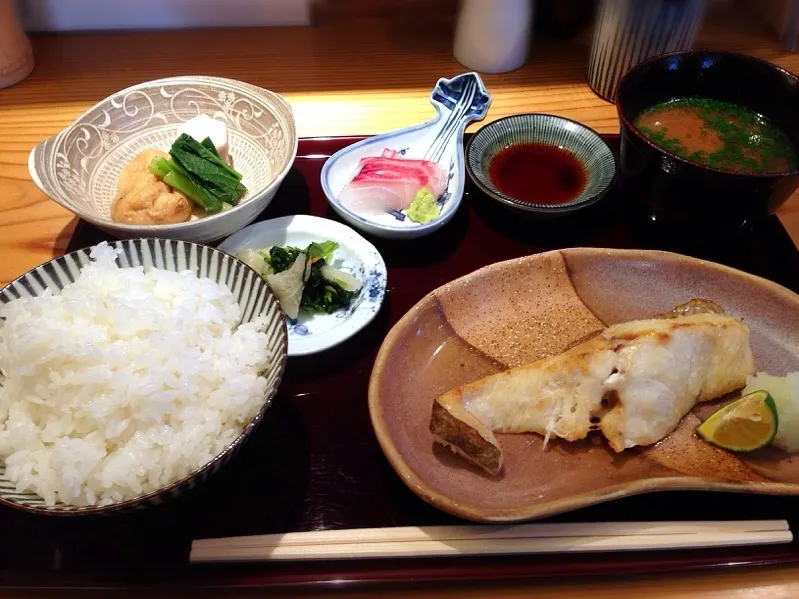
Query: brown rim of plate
point(548, 508)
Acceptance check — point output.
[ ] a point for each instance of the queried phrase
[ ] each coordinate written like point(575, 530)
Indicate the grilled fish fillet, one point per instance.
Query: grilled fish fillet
point(633, 382)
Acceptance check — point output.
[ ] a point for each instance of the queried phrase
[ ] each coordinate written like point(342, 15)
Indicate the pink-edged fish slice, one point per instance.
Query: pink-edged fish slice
point(386, 184)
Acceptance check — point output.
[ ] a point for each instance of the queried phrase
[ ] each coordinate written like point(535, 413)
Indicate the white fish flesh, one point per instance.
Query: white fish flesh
point(633, 382)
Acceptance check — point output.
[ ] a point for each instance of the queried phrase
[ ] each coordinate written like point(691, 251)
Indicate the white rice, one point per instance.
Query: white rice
point(784, 390)
point(124, 383)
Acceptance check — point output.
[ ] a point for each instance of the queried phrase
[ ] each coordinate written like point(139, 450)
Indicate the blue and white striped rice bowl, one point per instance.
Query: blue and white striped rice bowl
point(251, 293)
point(629, 31)
point(584, 143)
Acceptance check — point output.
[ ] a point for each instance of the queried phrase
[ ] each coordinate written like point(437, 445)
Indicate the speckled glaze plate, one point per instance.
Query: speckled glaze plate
point(520, 310)
point(312, 333)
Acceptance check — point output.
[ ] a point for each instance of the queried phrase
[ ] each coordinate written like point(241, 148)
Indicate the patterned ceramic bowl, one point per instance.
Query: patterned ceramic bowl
point(583, 143)
point(251, 293)
point(79, 166)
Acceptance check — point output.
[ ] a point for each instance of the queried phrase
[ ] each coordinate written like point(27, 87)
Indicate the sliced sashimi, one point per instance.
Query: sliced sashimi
point(370, 198)
point(389, 183)
point(423, 173)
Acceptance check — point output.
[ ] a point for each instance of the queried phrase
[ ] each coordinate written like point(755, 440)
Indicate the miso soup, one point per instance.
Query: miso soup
point(718, 134)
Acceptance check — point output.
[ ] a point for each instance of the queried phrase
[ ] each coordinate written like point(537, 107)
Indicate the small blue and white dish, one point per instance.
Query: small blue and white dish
point(457, 101)
point(312, 333)
point(546, 134)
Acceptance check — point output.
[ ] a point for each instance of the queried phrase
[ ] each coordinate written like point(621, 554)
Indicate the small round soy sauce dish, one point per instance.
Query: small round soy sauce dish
point(540, 165)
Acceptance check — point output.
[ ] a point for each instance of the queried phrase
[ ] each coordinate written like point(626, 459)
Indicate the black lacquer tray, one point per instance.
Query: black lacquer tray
point(315, 463)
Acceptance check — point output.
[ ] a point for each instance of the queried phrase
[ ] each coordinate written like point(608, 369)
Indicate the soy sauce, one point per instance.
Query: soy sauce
point(537, 173)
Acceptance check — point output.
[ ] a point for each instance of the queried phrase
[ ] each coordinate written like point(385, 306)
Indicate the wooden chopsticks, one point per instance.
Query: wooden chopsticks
point(432, 541)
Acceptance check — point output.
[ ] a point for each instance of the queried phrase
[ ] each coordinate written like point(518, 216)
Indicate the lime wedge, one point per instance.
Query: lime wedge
point(745, 424)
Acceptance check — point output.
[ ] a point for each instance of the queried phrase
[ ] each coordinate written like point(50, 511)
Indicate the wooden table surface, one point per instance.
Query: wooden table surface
point(354, 77)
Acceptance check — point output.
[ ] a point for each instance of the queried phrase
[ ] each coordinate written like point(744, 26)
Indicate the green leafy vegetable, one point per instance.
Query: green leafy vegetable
point(197, 171)
point(207, 170)
point(322, 295)
point(176, 178)
point(323, 249)
point(185, 145)
point(281, 258)
point(210, 145)
point(325, 289)
point(210, 175)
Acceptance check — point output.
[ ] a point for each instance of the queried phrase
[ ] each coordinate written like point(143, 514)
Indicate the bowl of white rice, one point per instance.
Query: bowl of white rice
point(130, 372)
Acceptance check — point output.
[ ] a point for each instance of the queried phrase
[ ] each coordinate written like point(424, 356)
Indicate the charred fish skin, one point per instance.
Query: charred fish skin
point(475, 443)
point(633, 381)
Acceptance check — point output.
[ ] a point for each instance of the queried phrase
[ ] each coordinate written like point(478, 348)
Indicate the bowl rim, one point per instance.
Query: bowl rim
point(248, 429)
point(512, 202)
point(628, 125)
point(175, 228)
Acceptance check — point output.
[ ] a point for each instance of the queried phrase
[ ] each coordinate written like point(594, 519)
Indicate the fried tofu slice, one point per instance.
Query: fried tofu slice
point(143, 199)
